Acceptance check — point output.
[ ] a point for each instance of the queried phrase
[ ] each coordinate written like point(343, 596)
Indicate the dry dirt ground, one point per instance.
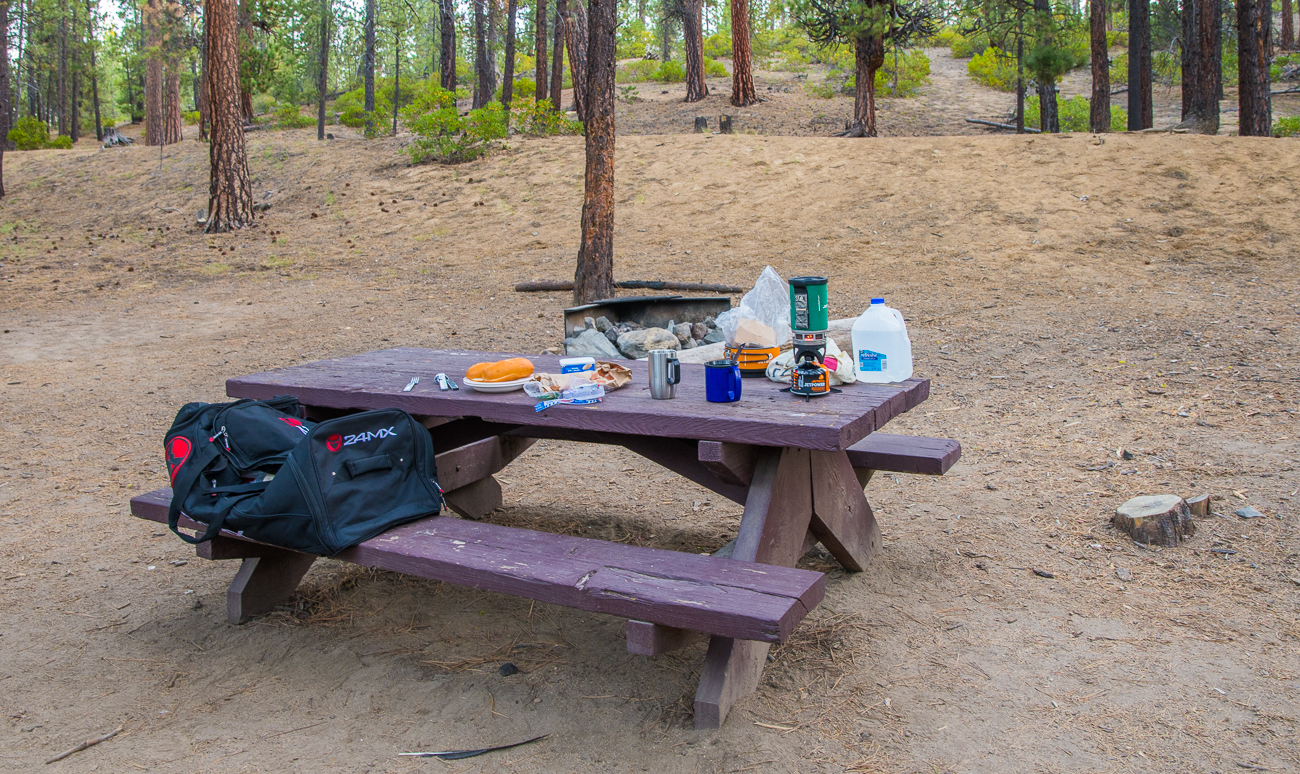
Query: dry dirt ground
point(1069, 297)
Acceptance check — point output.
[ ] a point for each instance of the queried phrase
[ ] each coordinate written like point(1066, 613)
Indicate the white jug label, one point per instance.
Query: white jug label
point(872, 361)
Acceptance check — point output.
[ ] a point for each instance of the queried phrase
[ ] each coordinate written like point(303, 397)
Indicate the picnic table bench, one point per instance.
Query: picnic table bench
point(798, 468)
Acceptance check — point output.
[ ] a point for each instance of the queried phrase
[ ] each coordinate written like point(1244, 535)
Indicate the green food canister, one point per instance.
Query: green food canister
point(808, 308)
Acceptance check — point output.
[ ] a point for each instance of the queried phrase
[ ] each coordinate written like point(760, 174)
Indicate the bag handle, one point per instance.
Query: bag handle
point(183, 483)
point(367, 464)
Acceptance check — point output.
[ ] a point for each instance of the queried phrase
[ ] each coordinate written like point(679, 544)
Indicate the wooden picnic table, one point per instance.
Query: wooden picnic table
point(784, 458)
point(797, 466)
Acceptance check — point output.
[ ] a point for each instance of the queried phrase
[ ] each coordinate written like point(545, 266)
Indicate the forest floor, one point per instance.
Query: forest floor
point(1071, 298)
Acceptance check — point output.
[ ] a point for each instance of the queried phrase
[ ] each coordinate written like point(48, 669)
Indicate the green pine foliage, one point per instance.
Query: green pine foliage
point(1074, 113)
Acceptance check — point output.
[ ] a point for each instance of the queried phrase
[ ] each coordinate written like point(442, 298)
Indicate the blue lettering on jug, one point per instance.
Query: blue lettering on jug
point(872, 361)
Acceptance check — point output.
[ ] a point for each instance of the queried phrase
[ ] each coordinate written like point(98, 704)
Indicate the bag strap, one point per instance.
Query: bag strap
point(185, 480)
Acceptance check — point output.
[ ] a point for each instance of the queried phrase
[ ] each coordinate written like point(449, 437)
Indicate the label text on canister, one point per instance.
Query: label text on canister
point(872, 361)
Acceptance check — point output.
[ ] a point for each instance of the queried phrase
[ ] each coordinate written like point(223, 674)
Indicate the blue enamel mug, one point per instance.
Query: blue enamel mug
point(722, 381)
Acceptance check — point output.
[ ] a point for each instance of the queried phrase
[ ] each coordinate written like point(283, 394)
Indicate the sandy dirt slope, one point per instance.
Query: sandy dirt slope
point(1068, 297)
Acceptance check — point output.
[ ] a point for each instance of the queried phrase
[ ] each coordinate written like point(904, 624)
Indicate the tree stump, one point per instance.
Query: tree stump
point(701, 124)
point(724, 124)
point(1162, 520)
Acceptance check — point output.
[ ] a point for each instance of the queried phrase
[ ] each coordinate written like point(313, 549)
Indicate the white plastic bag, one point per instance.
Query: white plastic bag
point(768, 302)
point(783, 364)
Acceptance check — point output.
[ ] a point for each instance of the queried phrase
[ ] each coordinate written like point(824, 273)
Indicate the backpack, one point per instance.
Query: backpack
point(319, 488)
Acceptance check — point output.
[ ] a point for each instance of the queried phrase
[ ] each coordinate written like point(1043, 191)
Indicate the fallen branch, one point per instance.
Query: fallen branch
point(554, 285)
point(996, 125)
point(86, 745)
point(1120, 90)
point(1287, 91)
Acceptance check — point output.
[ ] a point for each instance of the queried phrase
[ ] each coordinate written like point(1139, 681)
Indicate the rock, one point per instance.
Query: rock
point(568, 343)
point(507, 669)
point(637, 344)
point(612, 335)
point(1161, 520)
point(578, 329)
point(699, 331)
point(690, 344)
point(710, 322)
point(1199, 506)
point(682, 331)
point(671, 326)
point(715, 336)
point(589, 322)
point(591, 343)
point(1124, 574)
point(603, 324)
point(1249, 513)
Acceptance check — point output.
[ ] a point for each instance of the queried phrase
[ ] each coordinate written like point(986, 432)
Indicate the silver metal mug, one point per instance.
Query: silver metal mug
point(665, 373)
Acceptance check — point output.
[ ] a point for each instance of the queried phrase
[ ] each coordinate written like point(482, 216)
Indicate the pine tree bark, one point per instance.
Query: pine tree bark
point(447, 49)
point(205, 93)
point(508, 80)
point(323, 67)
point(693, 38)
point(172, 121)
point(493, 12)
point(1048, 113)
point(742, 58)
point(61, 89)
point(868, 56)
point(154, 76)
point(1254, 101)
point(482, 78)
point(397, 76)
point(1201, 66)
point(1099, 105)
point(594, 278)
point(557, 58)
point(1288, 27)
point(1140, 113)
point(5, 96)
point(74, 93)
point(368, 63)
point(539, 50)
point(576, 37)
point(230, 192)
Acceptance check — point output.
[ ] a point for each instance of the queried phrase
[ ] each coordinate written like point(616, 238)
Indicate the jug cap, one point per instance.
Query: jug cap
point(877, 300)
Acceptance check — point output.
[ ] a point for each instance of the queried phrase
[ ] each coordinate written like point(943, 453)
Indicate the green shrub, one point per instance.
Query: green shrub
point(30, 133)
point(524, 87)
point(994, 69)
point(1280, 63)
point(826, 89)
point(263, 103)
point(1288, 126)
point(718, 44)
point(633, 39)
point(913, 72)
point(1074, 113)
point(62, 142)
point(974, 44)
point(637, 72)
point(671, 72)
point(714, 69)
point(540, 119)
point(1116, 38)
point(191, 117)
point(442, 134)
point(290, 117)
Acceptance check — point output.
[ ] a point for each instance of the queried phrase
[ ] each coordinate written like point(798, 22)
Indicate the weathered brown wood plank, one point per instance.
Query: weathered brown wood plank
point(905, 454)
point(764, 417)
point(842, 519)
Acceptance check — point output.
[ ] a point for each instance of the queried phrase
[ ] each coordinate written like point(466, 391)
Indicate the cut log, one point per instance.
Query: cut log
point(996, 125)
point(1199, 506)
point(1161, 520)
point(724, 124)
point(701, 124)
point(562, 285)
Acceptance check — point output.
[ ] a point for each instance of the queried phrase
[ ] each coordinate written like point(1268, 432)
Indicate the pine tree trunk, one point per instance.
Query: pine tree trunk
point(1140, 114)
point(94, 71)
point(539, 50)
point(447, 49)
point(594, 278)
point(230, 193)
point(1288, 27)
point(493, 11)
point(576, 36)
point(1099, 105)
point(742, 59)
point(205, 92)
point(482, 79)
point(323, 67)
point(666, 41)
point(172, 121)
point(508, 80)
point(868, 56)
point(74, 93)
point(397, 76)
point(154, 77)
point(693, 38)
point(1254, 102)
point(5, 96)
point(1201, 66)
point(557, 58)
point(61, 92)
point(1049, 116)
point(368, 62)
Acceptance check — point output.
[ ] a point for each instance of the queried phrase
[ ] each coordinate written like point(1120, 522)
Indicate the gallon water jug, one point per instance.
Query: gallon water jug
point(882, 351)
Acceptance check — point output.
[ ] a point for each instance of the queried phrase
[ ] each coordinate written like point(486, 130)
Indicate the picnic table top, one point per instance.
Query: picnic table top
point(764, 416)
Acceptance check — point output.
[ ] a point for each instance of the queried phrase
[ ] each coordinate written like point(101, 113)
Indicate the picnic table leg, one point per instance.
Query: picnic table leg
point(842, 518)
point(265, 581)
point(772, 530)
point(477, 499)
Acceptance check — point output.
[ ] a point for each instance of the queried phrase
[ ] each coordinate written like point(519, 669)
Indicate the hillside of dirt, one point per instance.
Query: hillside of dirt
point(1101, 317)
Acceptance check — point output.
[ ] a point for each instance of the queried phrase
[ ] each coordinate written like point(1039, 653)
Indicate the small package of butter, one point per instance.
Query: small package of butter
point(573, 365)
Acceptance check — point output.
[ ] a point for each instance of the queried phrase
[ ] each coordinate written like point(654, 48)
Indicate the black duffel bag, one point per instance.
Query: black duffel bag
point(255, 468)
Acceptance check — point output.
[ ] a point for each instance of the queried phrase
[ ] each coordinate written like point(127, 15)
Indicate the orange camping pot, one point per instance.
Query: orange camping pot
point(752, 359)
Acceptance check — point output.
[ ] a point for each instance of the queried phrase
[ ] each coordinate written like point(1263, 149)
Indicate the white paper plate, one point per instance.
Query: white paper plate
point(510, 386)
